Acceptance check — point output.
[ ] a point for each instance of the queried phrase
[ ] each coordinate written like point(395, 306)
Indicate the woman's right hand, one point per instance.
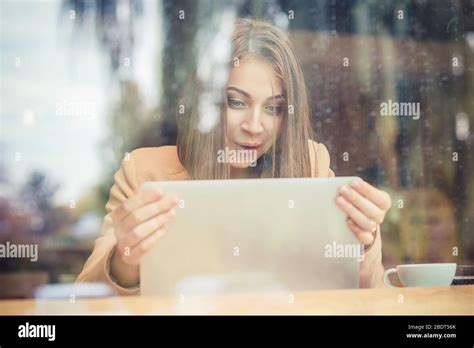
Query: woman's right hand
point(138, 223)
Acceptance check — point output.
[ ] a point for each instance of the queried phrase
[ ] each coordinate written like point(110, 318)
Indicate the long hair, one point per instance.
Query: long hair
point(289, 155)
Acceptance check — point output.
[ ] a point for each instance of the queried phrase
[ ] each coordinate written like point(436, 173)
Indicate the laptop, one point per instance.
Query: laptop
point(251, 235)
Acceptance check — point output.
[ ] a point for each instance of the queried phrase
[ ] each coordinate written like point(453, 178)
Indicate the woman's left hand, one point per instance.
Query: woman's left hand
point(365, 207)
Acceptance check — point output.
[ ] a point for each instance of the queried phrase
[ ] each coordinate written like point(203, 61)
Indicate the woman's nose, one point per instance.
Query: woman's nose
point(253, 123)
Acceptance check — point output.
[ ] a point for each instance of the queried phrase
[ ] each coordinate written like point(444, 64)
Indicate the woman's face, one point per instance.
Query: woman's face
point(253, 117)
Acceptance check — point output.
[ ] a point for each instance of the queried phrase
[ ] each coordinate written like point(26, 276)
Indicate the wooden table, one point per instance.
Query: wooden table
point(455, 300)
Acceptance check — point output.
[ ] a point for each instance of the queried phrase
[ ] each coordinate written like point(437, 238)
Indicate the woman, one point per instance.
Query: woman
point(265, 111)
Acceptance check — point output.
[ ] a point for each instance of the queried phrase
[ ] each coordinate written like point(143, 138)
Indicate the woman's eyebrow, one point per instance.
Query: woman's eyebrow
point(279, 96)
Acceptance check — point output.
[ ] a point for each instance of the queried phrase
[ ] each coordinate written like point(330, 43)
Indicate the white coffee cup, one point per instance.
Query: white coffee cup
point(422, 275)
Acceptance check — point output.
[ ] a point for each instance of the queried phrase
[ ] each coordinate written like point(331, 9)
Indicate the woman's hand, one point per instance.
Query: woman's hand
point(138, 223)
point(365, 207)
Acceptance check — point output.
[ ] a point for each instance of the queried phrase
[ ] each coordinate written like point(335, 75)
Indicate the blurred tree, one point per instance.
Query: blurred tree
point(38, 194)
point(30, 216)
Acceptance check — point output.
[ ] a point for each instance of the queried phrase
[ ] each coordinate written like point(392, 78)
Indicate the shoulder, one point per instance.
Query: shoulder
point(164, 159)
point(320, 159)
point(143, 164)
point(149, 159)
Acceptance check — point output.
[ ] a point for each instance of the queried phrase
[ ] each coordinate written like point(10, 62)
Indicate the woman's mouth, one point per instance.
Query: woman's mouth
point(249, 146)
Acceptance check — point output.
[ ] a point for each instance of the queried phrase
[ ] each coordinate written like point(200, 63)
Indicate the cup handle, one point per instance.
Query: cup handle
point(386, 280)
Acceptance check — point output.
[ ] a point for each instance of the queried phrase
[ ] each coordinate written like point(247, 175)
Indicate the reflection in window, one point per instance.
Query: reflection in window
point(390, 85)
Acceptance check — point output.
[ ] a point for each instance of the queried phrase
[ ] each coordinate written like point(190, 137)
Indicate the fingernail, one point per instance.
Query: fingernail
point(344, 189)
point(155, 193)
point(368, 237)
point(173, 199)
point(349, 192)
point(340, 200)
point(356, 183)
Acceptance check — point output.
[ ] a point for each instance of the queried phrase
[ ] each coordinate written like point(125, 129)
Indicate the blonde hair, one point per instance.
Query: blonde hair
point(289, 155)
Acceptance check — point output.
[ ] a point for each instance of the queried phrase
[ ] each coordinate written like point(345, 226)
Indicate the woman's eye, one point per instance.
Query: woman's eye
point(274, 109)
point(236, 103)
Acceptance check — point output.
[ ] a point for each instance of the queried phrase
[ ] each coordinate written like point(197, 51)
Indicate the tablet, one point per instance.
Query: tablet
point(248, 235)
